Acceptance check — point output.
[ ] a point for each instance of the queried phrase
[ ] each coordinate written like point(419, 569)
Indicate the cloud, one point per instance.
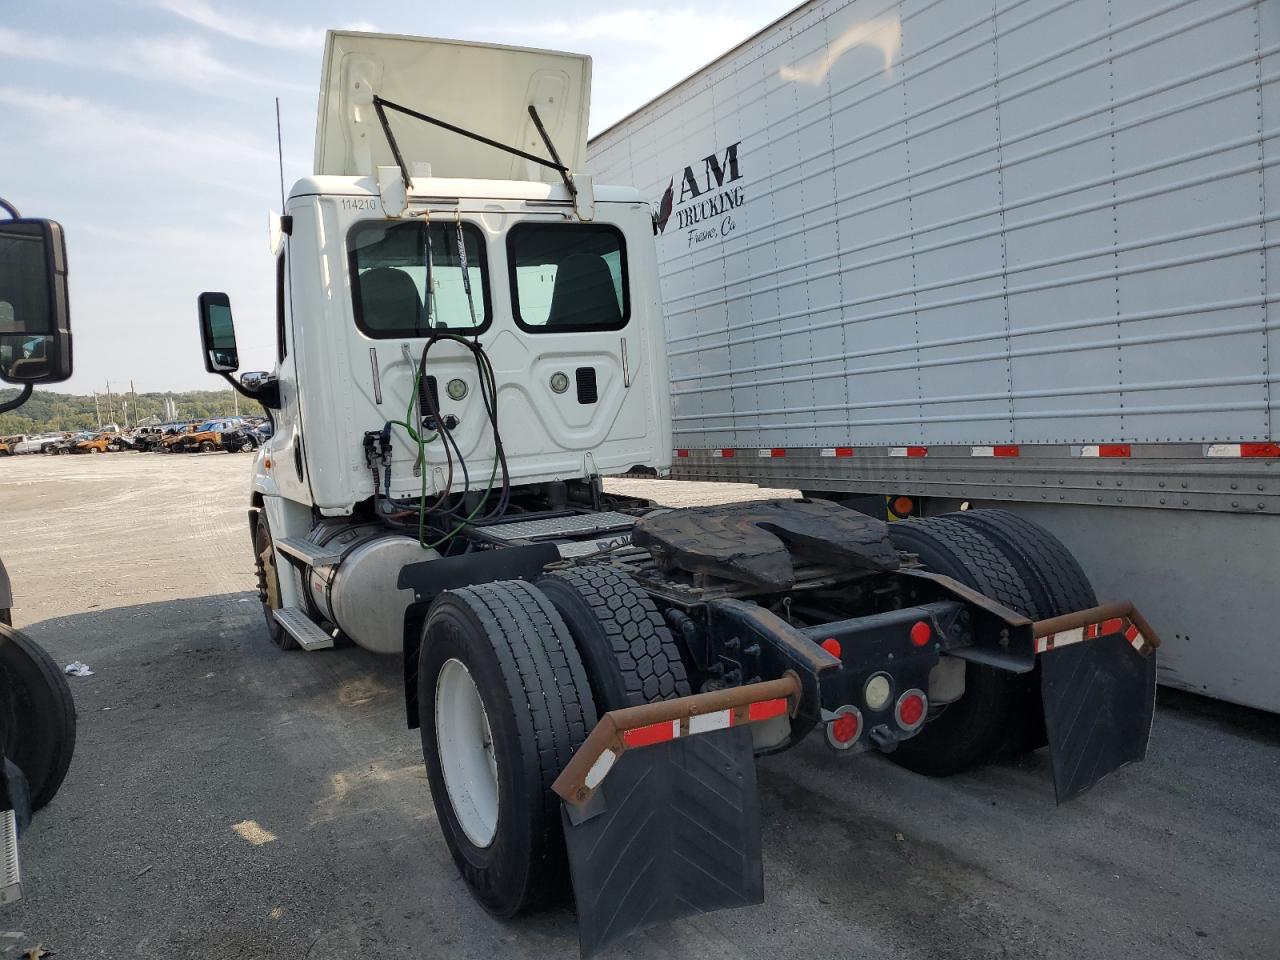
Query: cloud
point(256, 30)
point(649, 27)
point(121, 141)
point(250, 29)
point(184, 60)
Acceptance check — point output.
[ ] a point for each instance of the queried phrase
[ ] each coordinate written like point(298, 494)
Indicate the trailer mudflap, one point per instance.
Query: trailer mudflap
point(661, 816)
point(674, 833)
point(1098, 678)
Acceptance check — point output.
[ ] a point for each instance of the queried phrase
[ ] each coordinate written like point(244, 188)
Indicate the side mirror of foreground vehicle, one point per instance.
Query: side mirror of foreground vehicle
point(35, 326)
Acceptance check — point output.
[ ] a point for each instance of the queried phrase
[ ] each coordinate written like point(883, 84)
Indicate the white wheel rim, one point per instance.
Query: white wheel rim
point(467, 759)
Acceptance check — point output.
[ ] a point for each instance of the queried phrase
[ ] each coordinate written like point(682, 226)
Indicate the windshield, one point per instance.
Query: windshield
point(568, 277)
point(388, 263)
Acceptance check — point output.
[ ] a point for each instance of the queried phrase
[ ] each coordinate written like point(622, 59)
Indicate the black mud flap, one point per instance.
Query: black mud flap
point(673, 832)
point(1099, 701)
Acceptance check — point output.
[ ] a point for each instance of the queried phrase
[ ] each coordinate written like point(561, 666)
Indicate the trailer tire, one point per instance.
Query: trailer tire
point(988, 721)
point(37, 715)
point(630, 656)
point(1055, 580)
point(264, 565)
point(535, 704)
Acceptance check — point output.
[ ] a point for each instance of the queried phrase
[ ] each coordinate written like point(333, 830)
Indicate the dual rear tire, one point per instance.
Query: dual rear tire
point(511, 679)
point(1022, 566)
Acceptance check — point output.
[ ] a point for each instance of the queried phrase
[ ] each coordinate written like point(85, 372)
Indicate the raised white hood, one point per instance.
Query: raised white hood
point(481, 87)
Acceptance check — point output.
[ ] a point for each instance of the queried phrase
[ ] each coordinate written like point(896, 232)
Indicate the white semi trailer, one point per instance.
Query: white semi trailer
point(1019, 254)
point(469, 338)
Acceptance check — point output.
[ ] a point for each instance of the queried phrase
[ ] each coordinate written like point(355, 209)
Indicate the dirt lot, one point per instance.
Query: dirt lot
point(229, 800)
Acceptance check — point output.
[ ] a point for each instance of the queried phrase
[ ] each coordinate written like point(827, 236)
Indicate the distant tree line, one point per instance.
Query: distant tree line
point(47, 411)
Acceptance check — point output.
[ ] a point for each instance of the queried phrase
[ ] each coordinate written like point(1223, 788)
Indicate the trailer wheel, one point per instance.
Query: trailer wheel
point(505, 702)
point(37, 715)
point(264, 562)
point(1055, 579)
point(988, 721)
point(630, 656)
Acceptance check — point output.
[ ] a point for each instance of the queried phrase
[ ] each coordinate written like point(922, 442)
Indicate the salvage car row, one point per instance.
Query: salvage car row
point(232, 434)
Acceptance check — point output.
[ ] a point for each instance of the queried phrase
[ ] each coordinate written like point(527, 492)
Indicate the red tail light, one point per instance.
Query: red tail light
point(921, 633)
point(832, 646)
point(911, 709)
point(844, 730)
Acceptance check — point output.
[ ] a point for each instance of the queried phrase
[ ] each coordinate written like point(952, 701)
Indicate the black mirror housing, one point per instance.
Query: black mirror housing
point(35, 315)
point(218, 334)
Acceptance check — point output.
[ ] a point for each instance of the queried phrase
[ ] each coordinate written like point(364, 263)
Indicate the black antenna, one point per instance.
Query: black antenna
point(280, 155)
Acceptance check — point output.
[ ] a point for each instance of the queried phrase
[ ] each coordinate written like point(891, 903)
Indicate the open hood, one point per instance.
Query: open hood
point(484, 88)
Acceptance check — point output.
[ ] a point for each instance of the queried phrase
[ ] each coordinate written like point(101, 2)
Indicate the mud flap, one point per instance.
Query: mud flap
point(674, 832)
point(1099, 702)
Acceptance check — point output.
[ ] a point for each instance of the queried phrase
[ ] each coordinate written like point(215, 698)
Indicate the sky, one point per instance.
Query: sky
point(147, 129)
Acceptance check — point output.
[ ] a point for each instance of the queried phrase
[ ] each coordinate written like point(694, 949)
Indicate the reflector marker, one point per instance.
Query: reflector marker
point(1093, 631)
point(666, 730)
point(706, 722)
point(999, 450)
point(1106, 450)
point(837, 451)
point(908, 451)
point(771, 452)
point(651, 734)
point(724, 452)
point(682, 453)
point(1242, 450)
point(600, 769)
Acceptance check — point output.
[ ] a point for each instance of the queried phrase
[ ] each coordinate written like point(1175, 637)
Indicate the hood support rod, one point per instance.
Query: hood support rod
point(379, 104)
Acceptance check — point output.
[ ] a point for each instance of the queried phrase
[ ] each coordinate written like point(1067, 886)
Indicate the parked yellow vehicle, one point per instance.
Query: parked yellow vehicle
point(102, 443)
point(7, 444)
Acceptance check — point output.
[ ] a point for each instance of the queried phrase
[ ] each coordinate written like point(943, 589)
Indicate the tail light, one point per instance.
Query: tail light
point(911, 709)
point(843, 731)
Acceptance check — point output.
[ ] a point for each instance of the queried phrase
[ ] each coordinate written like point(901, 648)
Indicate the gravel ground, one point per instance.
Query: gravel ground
point(230, 800)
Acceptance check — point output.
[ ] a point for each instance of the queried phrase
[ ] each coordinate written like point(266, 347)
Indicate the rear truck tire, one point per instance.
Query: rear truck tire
point(208, 446)
point(37, 715)
point(630, 656)
point(264, 563)
point(504, 702)
point(989, 721)
point(1057, 584)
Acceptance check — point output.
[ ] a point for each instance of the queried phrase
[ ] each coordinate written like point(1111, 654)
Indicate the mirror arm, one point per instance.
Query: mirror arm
point(269, 398)
point(19, 400)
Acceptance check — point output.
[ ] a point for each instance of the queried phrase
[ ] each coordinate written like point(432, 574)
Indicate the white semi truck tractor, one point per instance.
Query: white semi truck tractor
point(469, 340)
point(37, 714)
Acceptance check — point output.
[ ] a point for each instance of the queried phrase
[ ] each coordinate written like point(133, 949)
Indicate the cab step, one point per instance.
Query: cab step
point(310, 554)
point(302, 628)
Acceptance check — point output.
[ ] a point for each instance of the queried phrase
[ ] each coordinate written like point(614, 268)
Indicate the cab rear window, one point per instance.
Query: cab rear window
point(388, 263)
point(568, 277)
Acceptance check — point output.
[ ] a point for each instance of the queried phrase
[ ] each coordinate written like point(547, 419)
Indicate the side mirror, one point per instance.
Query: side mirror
point(35, 324)
point(218, 334)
